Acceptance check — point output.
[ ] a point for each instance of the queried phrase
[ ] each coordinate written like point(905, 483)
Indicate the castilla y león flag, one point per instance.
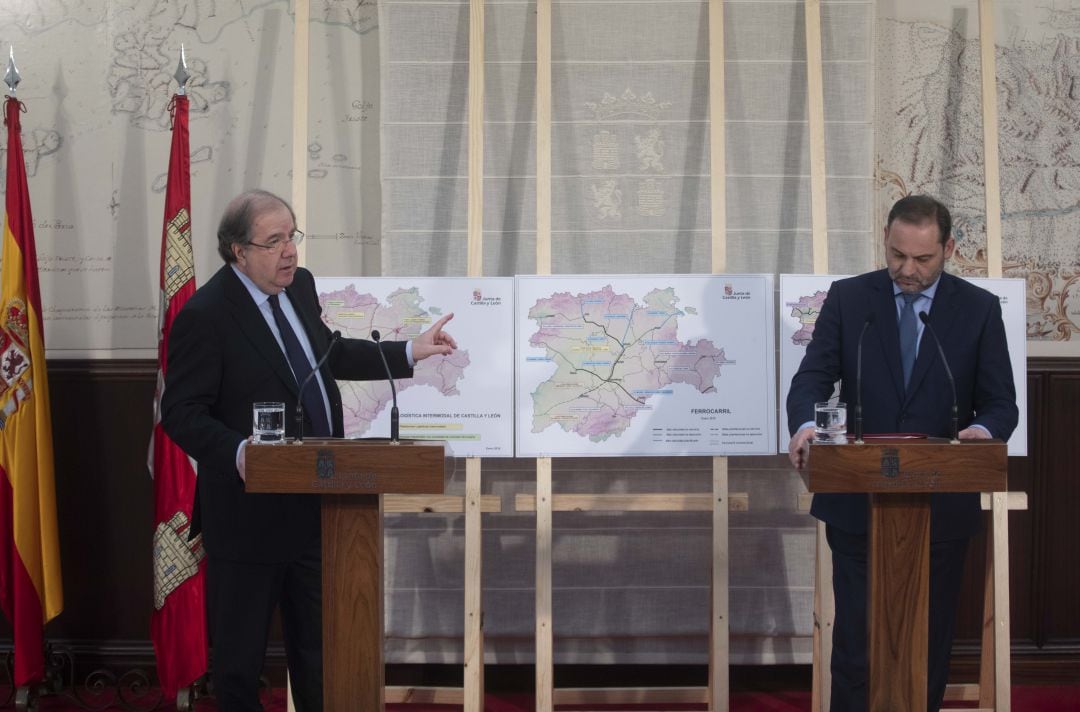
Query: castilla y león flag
point(178, 624)
point(31, 593)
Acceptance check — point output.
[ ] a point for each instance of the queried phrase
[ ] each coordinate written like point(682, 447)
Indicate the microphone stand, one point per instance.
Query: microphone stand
point(925, 319)
point(858, 381)
point(394, 425)
point(308, 379)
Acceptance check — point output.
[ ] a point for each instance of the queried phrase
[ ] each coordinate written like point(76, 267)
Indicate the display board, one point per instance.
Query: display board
point(801, 297)
point(644, 365)
point(465, 398)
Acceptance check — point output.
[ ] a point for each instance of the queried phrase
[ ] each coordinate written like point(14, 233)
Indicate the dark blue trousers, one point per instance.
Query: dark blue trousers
point(851, 588)
point(241, 598)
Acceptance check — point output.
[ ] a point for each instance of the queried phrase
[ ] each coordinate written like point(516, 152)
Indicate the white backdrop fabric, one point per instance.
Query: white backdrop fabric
point(630, 194)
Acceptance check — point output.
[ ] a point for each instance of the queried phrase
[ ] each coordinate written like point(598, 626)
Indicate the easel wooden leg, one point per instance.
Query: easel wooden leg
point(824, 617)
point(474, 611)
point(719, 629)
point(997, 572)
point(545, 661)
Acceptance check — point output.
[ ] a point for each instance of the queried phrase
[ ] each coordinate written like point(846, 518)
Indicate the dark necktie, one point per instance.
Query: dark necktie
point(301, 367)
point(909, 335)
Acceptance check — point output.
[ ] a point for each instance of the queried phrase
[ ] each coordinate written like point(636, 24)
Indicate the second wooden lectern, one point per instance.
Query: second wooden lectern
point(350, 476)
point(900, 475)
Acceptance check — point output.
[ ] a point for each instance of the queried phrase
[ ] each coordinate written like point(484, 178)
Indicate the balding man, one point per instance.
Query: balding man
point(252, 333)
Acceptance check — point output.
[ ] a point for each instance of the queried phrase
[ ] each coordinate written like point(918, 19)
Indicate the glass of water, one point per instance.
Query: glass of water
point(268, 422)
point(830, 422)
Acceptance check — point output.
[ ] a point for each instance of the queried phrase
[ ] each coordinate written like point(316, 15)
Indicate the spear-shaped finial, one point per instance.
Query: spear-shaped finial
point(11, 77)
point(182, 74)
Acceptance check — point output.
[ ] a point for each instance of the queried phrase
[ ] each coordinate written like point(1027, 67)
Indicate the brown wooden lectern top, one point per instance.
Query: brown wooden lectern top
point(350, 475)
point(901, 475)
point(336, 466)
point(909, 465)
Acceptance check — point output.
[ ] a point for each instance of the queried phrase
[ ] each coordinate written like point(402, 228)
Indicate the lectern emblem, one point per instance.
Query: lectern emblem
point(890, 462)
point(324, 464)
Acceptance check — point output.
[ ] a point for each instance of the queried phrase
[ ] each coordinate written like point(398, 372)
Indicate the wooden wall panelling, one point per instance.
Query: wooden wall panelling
point(101, 426)
point(102, 413)
point(1058, 613)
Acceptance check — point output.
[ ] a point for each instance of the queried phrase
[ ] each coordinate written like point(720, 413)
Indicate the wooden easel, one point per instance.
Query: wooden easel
point(473, 504)
point(544, 503)
point(993, 690)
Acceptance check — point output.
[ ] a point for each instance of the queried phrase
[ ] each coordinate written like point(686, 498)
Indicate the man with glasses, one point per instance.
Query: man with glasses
point(252, 333)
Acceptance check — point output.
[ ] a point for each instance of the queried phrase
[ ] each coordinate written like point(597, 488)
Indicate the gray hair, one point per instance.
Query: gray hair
point(240, 213)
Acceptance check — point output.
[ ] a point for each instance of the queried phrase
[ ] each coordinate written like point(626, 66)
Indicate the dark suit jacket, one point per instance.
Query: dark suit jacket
point(967, 319)
point(222, 358)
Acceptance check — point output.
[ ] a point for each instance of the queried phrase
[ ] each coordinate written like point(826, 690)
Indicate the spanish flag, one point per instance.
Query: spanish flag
point(30, 589)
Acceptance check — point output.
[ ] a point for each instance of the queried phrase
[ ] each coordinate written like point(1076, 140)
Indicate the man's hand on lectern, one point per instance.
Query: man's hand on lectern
point(799, 447)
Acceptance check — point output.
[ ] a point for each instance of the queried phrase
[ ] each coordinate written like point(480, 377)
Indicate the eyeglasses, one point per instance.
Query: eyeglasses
point(277, 244)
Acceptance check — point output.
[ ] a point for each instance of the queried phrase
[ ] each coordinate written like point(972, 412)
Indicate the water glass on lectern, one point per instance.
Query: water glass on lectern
point(830, 422)
point(268, 422)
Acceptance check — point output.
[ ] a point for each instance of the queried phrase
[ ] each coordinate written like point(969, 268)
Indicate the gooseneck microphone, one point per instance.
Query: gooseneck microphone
point(858, 379)
point(393, 388)
point(308, 379)
point(925, 319)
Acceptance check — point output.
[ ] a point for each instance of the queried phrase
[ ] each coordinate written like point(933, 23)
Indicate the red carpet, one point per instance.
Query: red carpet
point(1024, 699)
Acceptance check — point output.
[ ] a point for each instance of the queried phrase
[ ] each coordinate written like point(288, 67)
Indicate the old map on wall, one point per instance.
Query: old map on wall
point(97, 83)
point(929, 125)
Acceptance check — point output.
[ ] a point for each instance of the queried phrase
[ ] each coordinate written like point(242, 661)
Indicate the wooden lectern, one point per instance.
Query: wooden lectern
point(350, 476)
point(900, 475)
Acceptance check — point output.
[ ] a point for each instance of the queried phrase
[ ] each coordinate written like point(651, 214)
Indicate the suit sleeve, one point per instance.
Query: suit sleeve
point(994, 398)
point(190, 403)
point(355, 359)
point(358, 360)
point(820, 367)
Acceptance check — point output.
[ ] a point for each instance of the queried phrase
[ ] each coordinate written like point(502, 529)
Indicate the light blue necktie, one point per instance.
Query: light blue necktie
point(909, 335)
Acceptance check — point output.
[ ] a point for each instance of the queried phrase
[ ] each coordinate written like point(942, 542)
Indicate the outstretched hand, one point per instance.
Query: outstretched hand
point(434, 341)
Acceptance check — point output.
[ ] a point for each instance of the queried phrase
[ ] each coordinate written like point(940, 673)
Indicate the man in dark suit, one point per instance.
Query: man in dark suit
point(905, 389)
point(252, 333)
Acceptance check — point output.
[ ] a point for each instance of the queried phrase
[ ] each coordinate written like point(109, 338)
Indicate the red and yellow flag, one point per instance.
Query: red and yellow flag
point(31, 593)
point(178, 624)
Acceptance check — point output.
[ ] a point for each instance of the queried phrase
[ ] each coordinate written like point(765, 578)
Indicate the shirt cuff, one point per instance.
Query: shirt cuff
point(408, 354)
point(982, 428)
point(240, 452)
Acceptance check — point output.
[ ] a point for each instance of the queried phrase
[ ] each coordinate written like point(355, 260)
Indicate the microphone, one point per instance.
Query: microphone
point(393, 388)
point(925, 319)
point(858, 379)
point(308, 379)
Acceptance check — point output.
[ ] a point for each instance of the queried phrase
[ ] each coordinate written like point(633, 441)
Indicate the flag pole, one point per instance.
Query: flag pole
point(178, 621)
point(32, 593)
point(11, 76)
point(181, 74)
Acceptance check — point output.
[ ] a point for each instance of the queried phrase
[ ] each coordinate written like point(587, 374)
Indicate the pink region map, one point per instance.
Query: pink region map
point(805, 310)
point(614, 357)
point(401, 317)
